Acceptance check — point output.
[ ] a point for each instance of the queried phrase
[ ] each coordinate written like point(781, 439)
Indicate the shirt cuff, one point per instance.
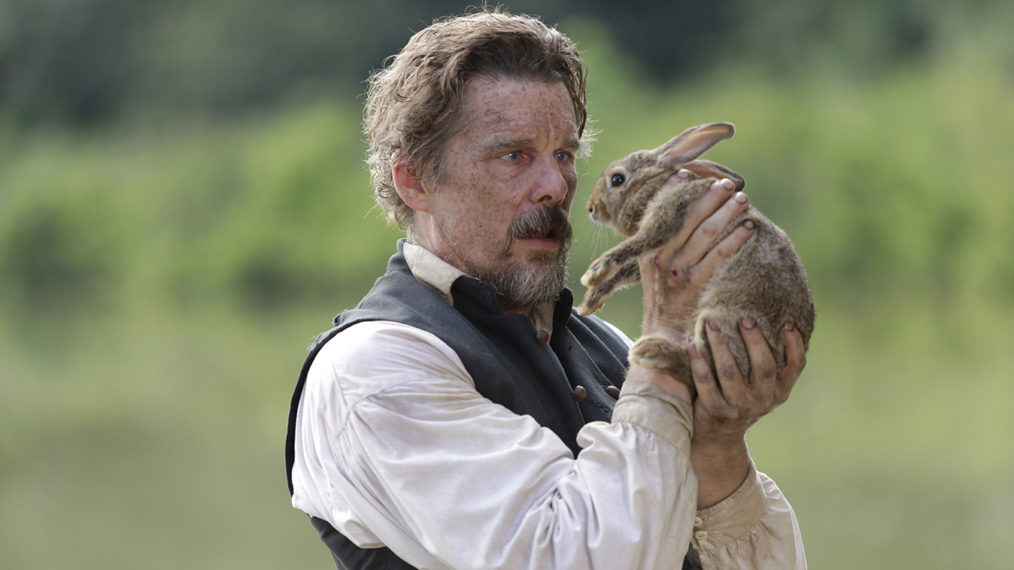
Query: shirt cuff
point(752, 528)
point(647, 405)
point(733, 518)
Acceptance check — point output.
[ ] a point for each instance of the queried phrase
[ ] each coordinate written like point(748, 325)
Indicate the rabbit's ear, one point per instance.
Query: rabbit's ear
point(695, 141)
point(708, 169)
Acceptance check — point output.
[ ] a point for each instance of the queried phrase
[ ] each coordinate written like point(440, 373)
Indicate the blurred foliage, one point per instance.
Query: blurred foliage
point(87, 61)
point(183, 204)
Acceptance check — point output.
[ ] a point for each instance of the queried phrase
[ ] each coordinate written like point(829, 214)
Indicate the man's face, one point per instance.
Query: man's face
point(500, 206)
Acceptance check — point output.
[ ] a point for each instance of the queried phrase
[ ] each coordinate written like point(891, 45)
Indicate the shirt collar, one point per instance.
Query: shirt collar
point(428, 268)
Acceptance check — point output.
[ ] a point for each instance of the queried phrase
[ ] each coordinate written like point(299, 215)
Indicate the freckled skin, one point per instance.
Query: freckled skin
point(514, 153)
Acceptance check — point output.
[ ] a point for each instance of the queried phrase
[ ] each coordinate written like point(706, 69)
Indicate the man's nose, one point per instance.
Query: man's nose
point(551, 185)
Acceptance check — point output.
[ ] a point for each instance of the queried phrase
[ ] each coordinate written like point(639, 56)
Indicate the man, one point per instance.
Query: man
point(463, 415)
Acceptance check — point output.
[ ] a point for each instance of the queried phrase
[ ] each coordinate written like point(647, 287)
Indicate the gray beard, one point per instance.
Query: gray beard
point(526, 285)
point(529, 285)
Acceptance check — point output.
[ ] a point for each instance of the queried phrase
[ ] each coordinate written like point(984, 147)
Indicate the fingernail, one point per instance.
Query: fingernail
point(790, 327)
point(683, 173)
point(741, 197)
point(713, 326)
point(749, 323)
point(748, 224)
point(727, 184)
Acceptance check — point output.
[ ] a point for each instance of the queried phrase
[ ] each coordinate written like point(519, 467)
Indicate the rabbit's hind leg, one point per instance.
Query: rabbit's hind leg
point(663, 354)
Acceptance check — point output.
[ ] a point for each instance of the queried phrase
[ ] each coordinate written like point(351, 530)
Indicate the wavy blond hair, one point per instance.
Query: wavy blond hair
point(412, 102)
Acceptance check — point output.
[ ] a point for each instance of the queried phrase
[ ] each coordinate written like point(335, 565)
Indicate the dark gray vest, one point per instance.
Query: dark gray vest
point(502, 353)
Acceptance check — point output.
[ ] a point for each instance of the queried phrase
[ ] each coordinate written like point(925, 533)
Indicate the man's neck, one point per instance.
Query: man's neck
point(436, 272)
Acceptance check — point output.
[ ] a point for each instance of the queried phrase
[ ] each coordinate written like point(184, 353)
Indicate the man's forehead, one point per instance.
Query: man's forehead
point(519, 110)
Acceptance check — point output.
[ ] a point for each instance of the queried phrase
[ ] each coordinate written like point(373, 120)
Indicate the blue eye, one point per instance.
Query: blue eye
point(562, 156)
point(512, 156)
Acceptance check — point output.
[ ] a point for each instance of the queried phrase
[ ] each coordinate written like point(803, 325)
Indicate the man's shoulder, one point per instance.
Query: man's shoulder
point(397, 296)
point(375, 353)
point(372, 340)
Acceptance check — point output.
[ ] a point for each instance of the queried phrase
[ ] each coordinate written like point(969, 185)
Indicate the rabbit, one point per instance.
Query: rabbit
point(764, 280)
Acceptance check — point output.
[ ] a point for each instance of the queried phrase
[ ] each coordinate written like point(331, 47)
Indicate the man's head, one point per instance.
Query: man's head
point(413, 104)
point(474, 128)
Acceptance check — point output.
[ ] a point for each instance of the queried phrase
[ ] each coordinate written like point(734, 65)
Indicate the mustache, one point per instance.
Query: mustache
point(543, 222)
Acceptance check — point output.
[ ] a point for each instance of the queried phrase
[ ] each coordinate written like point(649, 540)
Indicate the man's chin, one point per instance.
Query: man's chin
point(530, 284)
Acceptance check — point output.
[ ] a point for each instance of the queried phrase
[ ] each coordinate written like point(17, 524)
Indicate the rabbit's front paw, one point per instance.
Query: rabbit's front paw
point(600, 270)
point(594, 298)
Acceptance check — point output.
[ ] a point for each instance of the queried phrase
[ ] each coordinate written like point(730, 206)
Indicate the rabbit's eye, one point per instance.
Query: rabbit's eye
point(617, 179)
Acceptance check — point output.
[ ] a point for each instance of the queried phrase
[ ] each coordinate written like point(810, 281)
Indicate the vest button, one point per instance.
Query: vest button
point(580, 393)
point(613, 391)
point(542, 337)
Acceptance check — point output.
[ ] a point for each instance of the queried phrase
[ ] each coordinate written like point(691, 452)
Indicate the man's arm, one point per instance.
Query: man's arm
point(726, 408)
point(673, 278)
point(402, 451)
point(744, 520)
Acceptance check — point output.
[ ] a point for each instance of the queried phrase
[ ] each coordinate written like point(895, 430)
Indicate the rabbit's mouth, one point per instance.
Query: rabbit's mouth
point(598, 212)
point(600, 216)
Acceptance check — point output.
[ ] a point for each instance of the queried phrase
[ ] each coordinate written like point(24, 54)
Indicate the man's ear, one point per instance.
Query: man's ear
point(410, 186)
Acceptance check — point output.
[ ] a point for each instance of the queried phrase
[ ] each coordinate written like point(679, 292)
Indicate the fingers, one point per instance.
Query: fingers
point(708, 230)
point(704, 381)
point(673, 277)
point(733, 400)
point(795, 360)
point(762, 361)
point(730, 378)
point(725, 249)
point(706, 220)
point(723, 406)
point(712, 200)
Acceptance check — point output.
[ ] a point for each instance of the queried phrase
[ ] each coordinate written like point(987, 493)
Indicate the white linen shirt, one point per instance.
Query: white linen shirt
point(394, 447)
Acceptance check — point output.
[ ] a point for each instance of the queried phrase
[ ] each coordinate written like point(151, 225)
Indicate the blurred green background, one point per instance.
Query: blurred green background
point(184, 204)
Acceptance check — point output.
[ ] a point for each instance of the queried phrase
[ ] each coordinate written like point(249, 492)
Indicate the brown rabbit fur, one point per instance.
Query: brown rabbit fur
point(764, 280)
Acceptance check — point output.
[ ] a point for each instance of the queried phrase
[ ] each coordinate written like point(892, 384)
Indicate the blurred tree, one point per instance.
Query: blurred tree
point(70, 60)
point(61, 252)
point(85, 61)
point(862, 35)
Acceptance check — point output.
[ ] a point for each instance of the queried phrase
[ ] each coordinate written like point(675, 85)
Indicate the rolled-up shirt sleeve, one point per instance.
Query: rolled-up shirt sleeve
point(754, 527)
point(402, 451)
